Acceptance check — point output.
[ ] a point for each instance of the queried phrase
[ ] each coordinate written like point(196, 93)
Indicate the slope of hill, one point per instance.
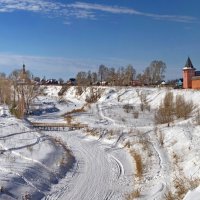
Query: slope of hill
point(121, 154)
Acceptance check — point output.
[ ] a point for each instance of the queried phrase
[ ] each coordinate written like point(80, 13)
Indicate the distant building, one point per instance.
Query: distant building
point(23, 77)
point(136, 83)
point(191, 77)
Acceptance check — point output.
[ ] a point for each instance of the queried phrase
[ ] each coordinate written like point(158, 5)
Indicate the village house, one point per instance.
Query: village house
point(191, 77)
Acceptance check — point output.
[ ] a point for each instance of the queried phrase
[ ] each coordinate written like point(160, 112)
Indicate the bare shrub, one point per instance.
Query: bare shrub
point(164, 114)
point(123, 120)
point(68, 118)
point(194, 183)
point(79, 90)
point(118, 98)
point(2, 189)
point(162, 117)
point(136, 114)
point(30, 148)
point(176, 158)
point(183, 108)
point(143, 98)
point(127, 144)
point(128, 108)
point(133, 195)
point(111, 132)
point(26, 196)
point(181, 189)
point(92, 131)
point(95, 95)
point(63, 90)
point(144, 142)
point(92, 99)
point(183, 185)
point(148, 107)
point(169, 196)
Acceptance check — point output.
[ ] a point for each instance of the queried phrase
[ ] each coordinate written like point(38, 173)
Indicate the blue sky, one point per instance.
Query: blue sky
point(59, 38)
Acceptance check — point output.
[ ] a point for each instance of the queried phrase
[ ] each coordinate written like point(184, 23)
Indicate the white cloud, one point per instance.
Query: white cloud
point(82, 10)
point(123, 10)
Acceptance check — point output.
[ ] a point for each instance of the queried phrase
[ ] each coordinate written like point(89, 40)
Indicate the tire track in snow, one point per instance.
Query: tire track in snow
point(119, 166)
point(97, 175)
point(162, 173)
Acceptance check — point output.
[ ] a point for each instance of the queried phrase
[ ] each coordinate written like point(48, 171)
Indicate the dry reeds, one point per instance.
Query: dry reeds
point(138, 163)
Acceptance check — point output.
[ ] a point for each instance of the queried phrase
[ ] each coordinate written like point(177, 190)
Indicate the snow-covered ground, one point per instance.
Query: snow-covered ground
point(120, 154)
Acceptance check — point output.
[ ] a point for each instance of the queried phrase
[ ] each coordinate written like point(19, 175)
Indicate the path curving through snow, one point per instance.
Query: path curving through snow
point(98, 174)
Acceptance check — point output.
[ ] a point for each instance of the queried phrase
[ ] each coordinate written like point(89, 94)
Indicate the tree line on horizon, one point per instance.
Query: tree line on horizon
point(123, 76)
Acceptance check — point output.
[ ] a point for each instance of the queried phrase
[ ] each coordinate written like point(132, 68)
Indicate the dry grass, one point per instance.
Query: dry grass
point(144, 143)
point(68, 118)
point(176, 159)
point(183, 185)
point(135, 194)
point(92, 131)
point(138, 163)
point(169, 196)
point(79, 90)
point(180, 187)
point(127, 144)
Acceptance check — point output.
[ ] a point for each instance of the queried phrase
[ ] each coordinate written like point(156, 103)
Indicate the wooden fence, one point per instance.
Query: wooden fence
point(57, 126)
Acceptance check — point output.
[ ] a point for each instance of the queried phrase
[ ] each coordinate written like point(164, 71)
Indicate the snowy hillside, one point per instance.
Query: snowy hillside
point(120, 154)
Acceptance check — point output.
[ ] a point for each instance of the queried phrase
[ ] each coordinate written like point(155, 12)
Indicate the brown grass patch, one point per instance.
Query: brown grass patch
point(138, 163)
point(133, 195)
point(68, 118)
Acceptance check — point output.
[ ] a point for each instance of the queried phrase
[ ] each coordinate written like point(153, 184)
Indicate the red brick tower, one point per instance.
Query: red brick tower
point(188, 73)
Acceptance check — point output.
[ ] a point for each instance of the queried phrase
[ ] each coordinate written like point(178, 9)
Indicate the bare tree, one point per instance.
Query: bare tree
point(103, 72)
point(5, 90)
point(15, 74)
point(129, 74)
point(111, 76)
point(155, 72)
point(94, 77)
point(89, 78)
point(81, 78)
point(24, 92)
point(61, 81)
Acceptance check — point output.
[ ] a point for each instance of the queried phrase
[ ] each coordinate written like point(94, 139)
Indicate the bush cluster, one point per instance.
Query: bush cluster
point(173, 108)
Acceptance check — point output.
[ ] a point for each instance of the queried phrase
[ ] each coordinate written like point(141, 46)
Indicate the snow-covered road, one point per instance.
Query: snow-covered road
point(100, 172)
